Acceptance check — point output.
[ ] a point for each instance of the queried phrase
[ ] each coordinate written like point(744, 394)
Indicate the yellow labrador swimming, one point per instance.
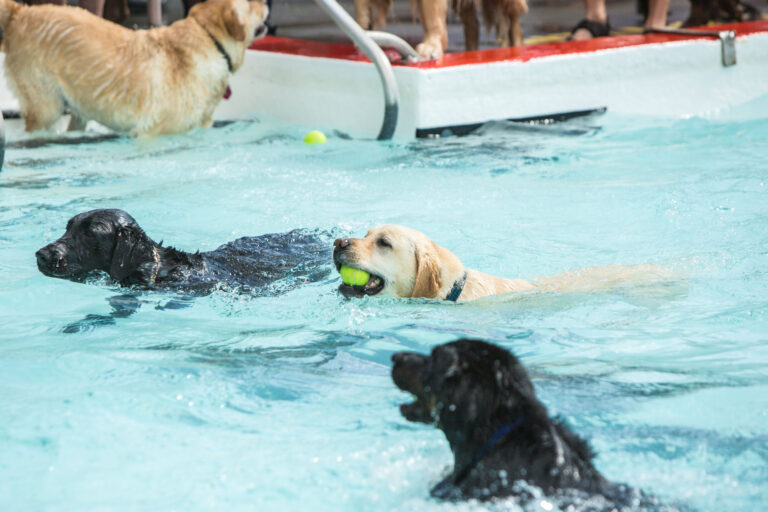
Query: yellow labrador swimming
point(162, 80)
point(403, 262)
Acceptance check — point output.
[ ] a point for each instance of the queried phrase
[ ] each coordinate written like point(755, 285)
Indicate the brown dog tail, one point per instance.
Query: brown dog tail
point(8, 9)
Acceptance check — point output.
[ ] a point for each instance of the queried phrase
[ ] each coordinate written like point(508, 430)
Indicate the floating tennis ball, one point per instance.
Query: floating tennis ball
point(354, 276)
point(315, 137)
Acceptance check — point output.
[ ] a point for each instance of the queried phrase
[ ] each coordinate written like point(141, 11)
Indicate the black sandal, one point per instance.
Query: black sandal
point(595, 28)
point(747, 12)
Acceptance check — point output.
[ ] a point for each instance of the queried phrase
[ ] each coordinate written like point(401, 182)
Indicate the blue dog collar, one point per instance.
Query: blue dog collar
point(495, 439)
point(458, 287)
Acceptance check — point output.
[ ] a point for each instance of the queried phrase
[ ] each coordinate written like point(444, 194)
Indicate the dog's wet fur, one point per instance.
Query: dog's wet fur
point(109, 241)
point(502, 438)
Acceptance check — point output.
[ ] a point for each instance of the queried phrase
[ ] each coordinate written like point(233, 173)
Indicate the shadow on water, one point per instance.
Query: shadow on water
point(77, 138)
point(122, 306)
point(500, 144)
point(71, 140)
point(82, 180)
point(314, 354)
point(87, 138)
point(612, 389)
point(688, 441)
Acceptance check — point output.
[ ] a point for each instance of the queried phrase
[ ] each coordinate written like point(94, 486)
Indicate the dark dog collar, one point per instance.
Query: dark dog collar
point(220, 48)
point(458, 287)
point(495, 439)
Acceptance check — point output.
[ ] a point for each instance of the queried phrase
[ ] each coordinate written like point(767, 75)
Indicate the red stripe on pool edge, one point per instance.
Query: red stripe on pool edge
point(518, 53)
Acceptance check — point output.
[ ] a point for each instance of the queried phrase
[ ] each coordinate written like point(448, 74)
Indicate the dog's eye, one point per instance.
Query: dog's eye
point(383, 242)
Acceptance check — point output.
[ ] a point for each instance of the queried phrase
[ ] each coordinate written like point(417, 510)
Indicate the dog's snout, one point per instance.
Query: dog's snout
point(50, 257)
point(49, 253)
point(341, 243)
point(407, 370)
point(407, 359)
point(43, 256)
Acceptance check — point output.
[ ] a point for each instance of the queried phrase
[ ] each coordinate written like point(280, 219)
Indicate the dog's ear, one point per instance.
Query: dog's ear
point(235, 28)
point(132, 251)
point(512, 379)
point(428, 281)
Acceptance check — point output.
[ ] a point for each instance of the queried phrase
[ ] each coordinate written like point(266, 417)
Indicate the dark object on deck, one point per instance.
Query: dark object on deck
point(117, 11)
point(596, 28)
point(111, 242)
point(704, 11)
point(500, 434)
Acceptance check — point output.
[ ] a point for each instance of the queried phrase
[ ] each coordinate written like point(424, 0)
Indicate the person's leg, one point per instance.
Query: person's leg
point(95, 6)
point(116, 11)
point(154, 13)
point(657, 14)
point(595, 13)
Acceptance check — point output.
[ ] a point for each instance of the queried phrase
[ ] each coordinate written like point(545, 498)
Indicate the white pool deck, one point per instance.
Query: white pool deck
point(334, 87)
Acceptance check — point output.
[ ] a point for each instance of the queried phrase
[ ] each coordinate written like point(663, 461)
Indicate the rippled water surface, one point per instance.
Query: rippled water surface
point(285, 403)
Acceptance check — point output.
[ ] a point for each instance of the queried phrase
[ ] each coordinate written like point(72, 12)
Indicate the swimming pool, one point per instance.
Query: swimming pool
point(285, 403)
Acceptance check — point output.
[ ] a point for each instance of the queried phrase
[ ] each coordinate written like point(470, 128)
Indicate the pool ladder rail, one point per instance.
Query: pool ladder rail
point(2, 140)
point(370, 42)
point(727, 40)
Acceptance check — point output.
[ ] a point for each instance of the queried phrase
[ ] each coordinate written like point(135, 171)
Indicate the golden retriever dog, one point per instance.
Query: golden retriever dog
point(501, 15)
point(146, 82)
point(403, 262)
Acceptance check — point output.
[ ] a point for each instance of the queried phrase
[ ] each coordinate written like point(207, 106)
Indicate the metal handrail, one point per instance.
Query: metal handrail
point(391, 96)
point(2, 140)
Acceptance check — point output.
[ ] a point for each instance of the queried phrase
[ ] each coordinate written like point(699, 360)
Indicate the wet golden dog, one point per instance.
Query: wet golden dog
point(501, 15)
point(403, 262)
point(157, 81)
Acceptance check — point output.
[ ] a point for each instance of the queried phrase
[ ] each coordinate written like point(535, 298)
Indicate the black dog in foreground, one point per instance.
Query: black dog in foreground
point(500, 434)
point(111, 241)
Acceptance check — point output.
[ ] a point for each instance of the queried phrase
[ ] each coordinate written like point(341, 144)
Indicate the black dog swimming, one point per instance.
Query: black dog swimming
point(110, 241)
point(500, 434)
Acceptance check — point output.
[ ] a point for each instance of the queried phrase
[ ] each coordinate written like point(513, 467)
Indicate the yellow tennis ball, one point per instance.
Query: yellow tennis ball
point(315, 137)
point(354, 276)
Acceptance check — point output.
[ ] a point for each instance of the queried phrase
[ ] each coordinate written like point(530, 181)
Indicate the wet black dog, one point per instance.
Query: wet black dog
point(502, 438)
point(111, 242)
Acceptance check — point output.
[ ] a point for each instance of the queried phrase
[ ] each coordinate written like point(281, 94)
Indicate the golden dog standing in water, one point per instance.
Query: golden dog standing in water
point(157, 81)
point(403, 262)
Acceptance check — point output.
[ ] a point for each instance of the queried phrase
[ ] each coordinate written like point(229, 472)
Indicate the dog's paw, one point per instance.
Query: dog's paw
point(429, 50)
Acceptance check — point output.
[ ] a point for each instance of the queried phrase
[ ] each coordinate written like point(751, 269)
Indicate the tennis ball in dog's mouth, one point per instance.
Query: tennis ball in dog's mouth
point(314, 137)
point(353, 276)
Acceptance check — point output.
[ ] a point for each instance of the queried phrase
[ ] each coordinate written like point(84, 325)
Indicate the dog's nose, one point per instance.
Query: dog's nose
point(43, 256)
point(49, 256)
point(407, 357)
point(341, 243)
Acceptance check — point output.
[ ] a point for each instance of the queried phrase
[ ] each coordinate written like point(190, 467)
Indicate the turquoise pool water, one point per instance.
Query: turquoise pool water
point(285, 403)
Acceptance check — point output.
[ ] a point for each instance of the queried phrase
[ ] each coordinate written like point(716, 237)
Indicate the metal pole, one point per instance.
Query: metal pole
point(2, 140)
point(350, 27)
point(405, 50)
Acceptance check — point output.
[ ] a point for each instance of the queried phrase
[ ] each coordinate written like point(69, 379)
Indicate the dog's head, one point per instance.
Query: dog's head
point(479, 394)
point(232, 22)
point(463, 385)
point(402, 262)
point(97, 241)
